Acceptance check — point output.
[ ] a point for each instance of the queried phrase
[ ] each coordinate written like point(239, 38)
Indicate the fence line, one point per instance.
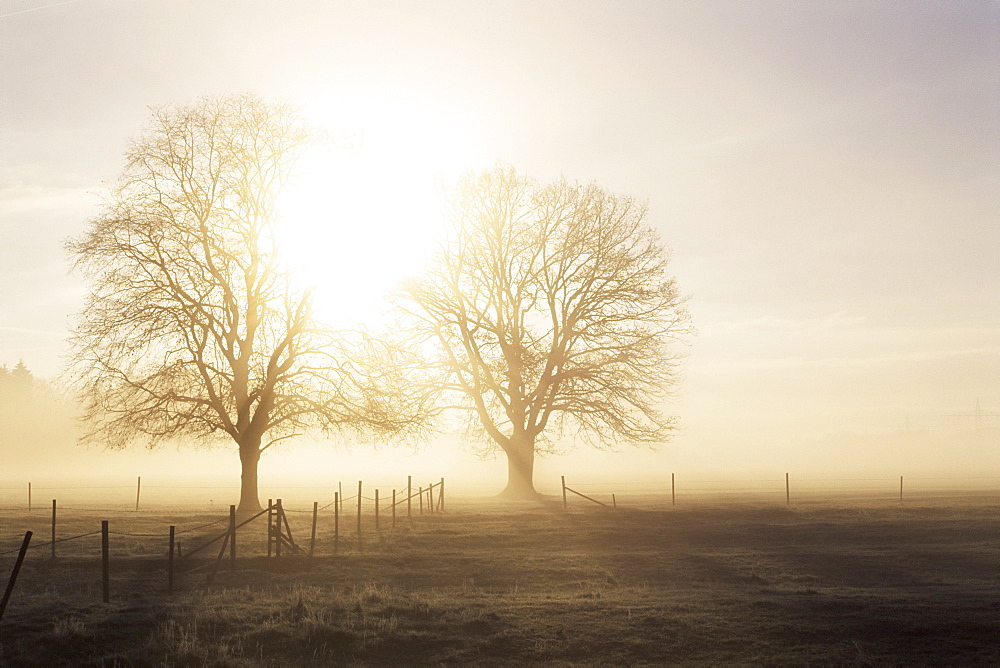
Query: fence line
point(289, 510)
point(116, 533)
point(58, 540)
point(279, 531)
point(666, 483)
point(654, 484)
point(597, 491)
point(142, 501)
point(771, 487)
point(175, 531)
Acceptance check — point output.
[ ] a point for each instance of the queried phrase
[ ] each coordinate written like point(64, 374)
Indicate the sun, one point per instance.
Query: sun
point(364, 208)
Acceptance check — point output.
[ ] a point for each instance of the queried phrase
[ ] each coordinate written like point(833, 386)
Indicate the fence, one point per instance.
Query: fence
point(142, 495)
point(408, 501)
point(280, 540)
point(127, 498)
point(785, 488)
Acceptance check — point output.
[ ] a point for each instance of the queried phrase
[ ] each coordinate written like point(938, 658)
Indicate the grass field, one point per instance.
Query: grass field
point(865, 583)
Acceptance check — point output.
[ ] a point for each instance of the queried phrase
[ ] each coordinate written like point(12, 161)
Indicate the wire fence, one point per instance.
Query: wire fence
point(808, 483)
point(154, 539)
point(37, 545)
point(140, 494)
point(353, 522)
point(139, 514)
point(125, 498)
point(787, 488)
point(14, 500)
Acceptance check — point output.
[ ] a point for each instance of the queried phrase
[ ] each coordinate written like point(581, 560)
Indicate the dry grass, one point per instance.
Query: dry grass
point(874, 584)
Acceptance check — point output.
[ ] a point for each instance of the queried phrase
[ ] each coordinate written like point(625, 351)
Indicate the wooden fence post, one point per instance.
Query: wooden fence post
point(565, 505)
point(359, 514)
point(614, 503)
point(441, 496)
point(340, 489)
point(376, 512)
point(279, 533)
point(312, 539)
point(105, 563)
point(900, 488)
point(336, 521)
point(14, 572)
point(673, 491)
point(138, 486)
point(232, 538)
point(270, 518)
point(394, 509)
point(210, 578)
point(170, 563)
point(53, 528)
point(409, 496)
point(788, 494)
point(430, 499)
point(288, 530)
point(421, 492)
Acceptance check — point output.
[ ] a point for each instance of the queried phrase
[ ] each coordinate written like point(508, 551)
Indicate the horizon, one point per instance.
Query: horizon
point(823, 175)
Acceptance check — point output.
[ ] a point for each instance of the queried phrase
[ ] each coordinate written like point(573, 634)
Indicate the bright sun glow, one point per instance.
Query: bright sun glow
point(365, 208)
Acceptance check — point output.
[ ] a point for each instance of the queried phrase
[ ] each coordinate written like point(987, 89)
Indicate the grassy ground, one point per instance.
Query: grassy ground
point(880, 583)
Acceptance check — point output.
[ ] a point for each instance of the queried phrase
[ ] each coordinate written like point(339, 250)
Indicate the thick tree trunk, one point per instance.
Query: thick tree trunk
point(249, 457)
point(520, 469)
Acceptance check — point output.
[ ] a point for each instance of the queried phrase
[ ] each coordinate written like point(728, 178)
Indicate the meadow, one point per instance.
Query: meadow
point(852, 582)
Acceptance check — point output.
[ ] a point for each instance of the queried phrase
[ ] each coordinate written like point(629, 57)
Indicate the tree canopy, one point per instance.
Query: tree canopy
point(552, 314)
point(192, 327)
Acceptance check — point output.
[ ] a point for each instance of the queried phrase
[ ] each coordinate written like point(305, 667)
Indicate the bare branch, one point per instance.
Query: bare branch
point(192, 329)
point(552, 314)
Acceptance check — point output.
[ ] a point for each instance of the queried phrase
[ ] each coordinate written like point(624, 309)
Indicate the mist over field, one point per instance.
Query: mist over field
point(499, 332)
point(953, 455)
point(822, 174)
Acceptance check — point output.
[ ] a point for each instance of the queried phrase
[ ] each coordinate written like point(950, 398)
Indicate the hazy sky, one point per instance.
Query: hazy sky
point(826, 173)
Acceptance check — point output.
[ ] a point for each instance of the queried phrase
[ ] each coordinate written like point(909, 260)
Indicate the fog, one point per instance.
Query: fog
point(727, 464)
point(824, 174)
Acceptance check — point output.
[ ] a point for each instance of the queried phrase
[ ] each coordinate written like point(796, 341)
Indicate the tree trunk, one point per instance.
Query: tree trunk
point(520, 469)
point(249, 457)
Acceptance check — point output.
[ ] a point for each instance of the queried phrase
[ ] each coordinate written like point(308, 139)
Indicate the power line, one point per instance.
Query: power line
point(35, 9)
point(978, 414)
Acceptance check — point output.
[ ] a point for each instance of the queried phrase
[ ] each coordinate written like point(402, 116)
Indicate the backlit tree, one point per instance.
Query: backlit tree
point(552, 316)
point(192, 328)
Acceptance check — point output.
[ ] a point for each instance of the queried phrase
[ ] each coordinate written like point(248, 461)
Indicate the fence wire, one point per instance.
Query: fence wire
point(49, 543)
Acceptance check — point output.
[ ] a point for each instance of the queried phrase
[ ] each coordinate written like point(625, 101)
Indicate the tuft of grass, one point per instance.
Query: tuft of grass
point(67, 628)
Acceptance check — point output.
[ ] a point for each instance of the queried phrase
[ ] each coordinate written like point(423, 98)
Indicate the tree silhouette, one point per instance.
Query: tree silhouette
point(16, 384)
point(33, 415)
point(192, 327)
point(552, 314)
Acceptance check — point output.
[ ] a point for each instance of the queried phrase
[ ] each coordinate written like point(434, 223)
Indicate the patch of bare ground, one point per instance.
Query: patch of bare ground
point(875, 584)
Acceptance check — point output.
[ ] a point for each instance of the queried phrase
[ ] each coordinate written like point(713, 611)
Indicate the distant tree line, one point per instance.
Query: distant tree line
point(16, 383)
point(33, 415)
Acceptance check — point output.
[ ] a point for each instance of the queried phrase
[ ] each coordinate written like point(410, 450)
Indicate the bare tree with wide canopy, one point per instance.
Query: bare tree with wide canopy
point(552, 316)
point(192, 328)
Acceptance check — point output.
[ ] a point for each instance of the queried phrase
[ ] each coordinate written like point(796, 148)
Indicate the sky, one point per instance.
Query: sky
point(825, 173)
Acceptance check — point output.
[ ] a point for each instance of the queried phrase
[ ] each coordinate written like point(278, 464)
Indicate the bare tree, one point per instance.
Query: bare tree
point(192, 328)
point(553, 315)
